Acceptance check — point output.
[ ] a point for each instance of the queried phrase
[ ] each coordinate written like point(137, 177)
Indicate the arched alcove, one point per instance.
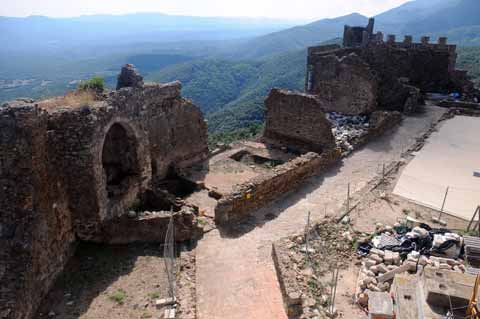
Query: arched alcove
point(120, 161)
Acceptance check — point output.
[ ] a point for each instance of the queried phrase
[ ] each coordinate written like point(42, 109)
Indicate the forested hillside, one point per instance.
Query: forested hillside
point(228, 73)
point(469, 59)
point(232, 93)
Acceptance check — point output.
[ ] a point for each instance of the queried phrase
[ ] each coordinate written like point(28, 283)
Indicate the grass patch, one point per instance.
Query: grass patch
point(405, 211)
point(70, 100)
point(119, 296)
point(154, 295)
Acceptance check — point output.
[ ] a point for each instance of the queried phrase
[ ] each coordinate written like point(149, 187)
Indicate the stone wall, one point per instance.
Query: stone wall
point(266, 187)
point(74, 172)
point(282, 179)
point(36, 234)
point(150, 227)
point(345, 84)
point(297, 120)
point(357, 80)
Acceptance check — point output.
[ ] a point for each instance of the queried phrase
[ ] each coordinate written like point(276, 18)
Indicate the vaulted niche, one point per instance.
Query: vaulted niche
point(119, 159)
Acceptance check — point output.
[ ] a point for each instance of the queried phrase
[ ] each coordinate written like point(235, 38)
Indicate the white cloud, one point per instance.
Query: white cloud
point(291, 9)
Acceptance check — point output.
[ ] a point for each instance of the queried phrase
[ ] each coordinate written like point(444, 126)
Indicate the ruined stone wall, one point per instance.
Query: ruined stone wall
point(297, 120)
point(382, 72)
point(165, 132)
point(69, 172)
point(36, 234)
point(284, 178)
point(266, 187)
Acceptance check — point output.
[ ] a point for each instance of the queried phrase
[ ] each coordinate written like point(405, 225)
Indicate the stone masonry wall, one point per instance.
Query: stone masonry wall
point(284, 178)
point(297, 120)
point(166, 130)
point(266, 187)
point(72, 171)
point(36, 234)
point(389, 70)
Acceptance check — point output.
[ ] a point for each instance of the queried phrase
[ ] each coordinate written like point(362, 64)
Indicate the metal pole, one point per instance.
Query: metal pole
point(331, 290)
point(443, 204)
point(348, 198)
point(307, 236)
point(383, 174)
point(334, 292)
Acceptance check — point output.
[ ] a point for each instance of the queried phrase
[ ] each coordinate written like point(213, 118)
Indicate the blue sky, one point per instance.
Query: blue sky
point(289, 9)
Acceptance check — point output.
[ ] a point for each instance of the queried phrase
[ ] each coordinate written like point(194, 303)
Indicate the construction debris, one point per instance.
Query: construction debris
point(401, 249)
point(380, 305)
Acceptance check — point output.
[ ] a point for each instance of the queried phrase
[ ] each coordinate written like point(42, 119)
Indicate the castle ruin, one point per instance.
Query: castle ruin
point(91, 172)
point(73, 174)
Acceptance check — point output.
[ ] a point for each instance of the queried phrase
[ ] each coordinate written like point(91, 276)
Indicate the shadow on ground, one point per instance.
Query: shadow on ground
point(108, 282)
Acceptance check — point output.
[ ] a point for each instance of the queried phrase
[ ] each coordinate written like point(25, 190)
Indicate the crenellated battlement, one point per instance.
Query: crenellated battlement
point(407, 43)
point(395, 70)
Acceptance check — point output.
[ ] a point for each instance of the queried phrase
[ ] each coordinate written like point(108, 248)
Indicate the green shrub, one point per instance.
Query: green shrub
point(96, 84)
point(119, 296)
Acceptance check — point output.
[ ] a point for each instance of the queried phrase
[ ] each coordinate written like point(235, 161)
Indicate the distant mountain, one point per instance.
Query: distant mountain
point(413, 11)
point(39, 32)
point(295, 38)
point(460, 14)
point(457, 19)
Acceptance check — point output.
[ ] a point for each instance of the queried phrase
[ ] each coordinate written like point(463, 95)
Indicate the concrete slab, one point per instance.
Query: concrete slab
point(449, 159)
point(380, 305)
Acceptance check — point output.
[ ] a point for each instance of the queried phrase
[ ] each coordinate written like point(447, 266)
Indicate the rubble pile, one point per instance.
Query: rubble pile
point(347, 129)
point(400, 249)
point(307, 268)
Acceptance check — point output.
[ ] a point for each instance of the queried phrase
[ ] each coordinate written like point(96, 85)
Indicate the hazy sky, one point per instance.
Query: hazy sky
point(291, 9)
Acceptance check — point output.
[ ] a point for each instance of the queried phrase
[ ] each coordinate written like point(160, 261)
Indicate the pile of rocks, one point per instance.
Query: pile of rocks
point(347, 129)
point(380, 266)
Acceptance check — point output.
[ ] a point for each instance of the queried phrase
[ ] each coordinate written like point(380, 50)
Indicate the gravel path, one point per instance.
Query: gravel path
point(235, 274)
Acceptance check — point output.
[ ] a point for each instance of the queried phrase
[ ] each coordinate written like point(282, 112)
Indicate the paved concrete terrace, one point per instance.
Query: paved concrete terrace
point(449, 159)
point(235, 273)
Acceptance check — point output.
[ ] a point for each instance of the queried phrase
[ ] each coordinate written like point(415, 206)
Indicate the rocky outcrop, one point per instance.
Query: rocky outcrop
point(129, 77)
point(297, 120)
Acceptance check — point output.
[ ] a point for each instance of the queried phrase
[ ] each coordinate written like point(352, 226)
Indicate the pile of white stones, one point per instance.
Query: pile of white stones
point(347, 128)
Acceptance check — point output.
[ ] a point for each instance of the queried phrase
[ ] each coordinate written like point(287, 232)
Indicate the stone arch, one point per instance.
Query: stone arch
point(123, 169)
point(120, 162)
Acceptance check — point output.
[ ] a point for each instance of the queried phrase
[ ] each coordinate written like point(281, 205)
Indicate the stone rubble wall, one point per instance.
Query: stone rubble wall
point(266, 187)
point(54, 185)
point(36, 233)
point(291, 292)
point(150, 227)
point(297, 120)
point(385, 71)
point(282, 179)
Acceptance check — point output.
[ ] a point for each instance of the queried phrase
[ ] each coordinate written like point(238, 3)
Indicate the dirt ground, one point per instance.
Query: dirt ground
point(381, 206)
point(235, 270)
point(114, 282)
